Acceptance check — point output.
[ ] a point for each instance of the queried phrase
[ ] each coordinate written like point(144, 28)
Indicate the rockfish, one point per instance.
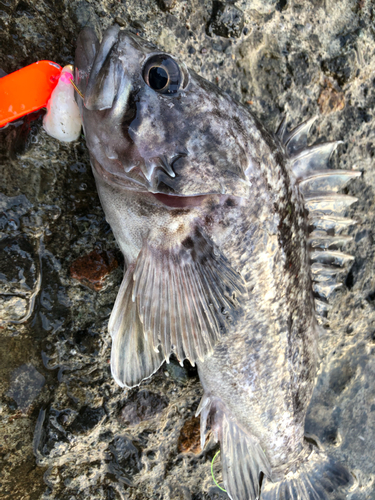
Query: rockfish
point(213, 215)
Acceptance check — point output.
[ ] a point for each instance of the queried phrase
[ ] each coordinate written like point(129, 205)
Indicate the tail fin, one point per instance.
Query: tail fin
point(318, 478)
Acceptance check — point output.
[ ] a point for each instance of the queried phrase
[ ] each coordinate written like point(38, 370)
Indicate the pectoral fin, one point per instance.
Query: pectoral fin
point(133, 356)
point(186, 295)
point(172, 300)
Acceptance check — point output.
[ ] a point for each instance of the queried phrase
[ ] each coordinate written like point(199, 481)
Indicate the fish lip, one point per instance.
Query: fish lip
point(180, 201)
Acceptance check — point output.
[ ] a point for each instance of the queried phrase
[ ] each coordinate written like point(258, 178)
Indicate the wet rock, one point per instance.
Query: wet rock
point(86, 340)
point(189, 438)
point(121, 22)
point(142, 405)
point(25, 386)
point(281, 5)
point(84, 14)
point(86, 419)
point(137, 26)
point(264, 7)
point(227, 20)
point(177, 372)
point(12, 308)
point(19, 276)
point(11, 209)
point(50, 437)
point(341, 377)
point(126, 459)
point(17, 137)
point(18, 269)
point(92, 269)
point(299, 67)
point(214, 493)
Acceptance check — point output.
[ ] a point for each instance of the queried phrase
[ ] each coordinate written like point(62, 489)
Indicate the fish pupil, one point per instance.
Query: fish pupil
point(158, 78)
point(163, 74)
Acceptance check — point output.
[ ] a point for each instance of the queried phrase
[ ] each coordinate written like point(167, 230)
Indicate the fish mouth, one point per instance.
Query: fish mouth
point(173, 201)
point(138, 184)
point(166, 191)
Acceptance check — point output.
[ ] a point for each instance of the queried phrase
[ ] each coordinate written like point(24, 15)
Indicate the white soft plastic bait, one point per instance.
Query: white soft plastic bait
point(62, 120)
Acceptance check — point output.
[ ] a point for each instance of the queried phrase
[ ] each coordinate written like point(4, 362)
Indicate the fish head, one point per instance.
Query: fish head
point(152, 125)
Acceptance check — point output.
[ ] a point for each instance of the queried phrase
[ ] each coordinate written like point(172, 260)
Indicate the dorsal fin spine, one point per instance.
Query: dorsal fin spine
point(326, 207)
point(326, 180)
point(313, 158)
point(297, 138)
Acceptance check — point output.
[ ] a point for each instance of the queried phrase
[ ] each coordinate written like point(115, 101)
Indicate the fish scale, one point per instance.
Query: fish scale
point(218, 242)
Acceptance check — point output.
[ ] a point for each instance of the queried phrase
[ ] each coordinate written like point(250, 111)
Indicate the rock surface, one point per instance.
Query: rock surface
point(68, 431)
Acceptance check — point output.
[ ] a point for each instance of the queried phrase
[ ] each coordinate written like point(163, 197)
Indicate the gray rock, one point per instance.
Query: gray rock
point(25, 386)
point(227, 20)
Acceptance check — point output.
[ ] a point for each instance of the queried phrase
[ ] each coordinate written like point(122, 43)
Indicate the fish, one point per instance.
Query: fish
point(232, 241)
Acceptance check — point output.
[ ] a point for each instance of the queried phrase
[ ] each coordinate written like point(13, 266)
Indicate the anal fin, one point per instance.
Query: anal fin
point(242, 457)
point(312, 158)
point(326, 289)
point(328, 203)
point(296, 139)
point(330, 222)
point(327, 274)
point(323, 272)
point(331, 257)
point(133, 357)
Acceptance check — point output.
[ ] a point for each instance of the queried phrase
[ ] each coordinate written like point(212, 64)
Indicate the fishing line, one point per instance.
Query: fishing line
point(212, 472)
point(77, 89)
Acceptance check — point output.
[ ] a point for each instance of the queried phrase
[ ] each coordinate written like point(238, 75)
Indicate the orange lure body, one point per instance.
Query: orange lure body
point(27, 90)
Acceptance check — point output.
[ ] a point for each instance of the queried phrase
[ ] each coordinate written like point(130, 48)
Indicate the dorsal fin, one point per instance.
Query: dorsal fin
point(326, 208)
point(327, 181)
point(312, 158)
point(319, 239)
point(296, 139)
point(330, 222)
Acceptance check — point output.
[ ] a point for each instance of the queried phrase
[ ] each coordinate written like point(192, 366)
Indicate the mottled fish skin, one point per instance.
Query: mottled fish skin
point(231, 182)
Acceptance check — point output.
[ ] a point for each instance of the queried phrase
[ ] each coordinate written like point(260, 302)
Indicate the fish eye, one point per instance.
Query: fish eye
point(163, 74)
